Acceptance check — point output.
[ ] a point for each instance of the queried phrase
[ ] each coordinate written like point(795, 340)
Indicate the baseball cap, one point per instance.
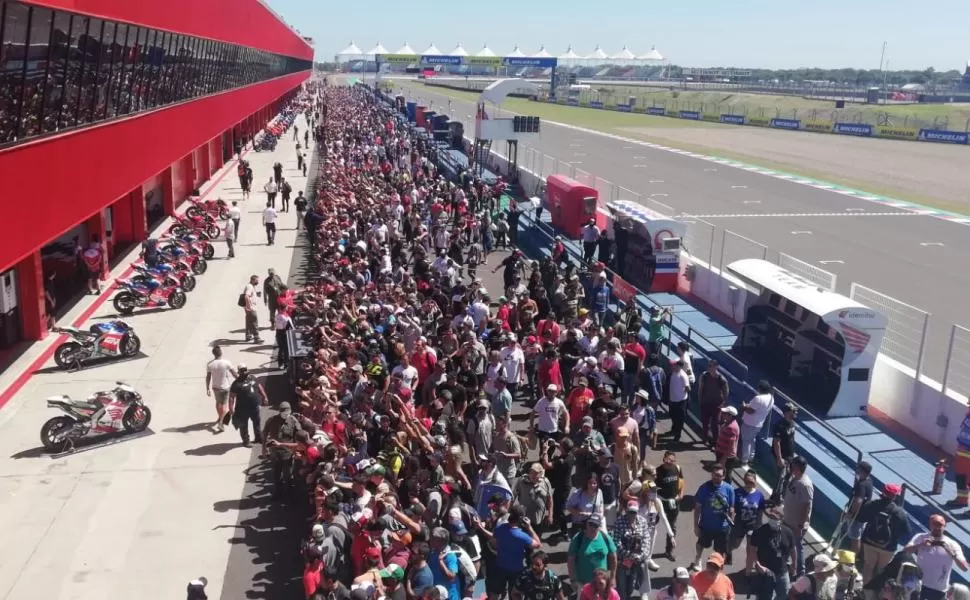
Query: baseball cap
point(587, 421)
point(633, 506)
point(716, 558)
point(594, 519)
point(892, 489)
point(372, 552)
point(552, 387)
point(730, 410)
point(680, 573)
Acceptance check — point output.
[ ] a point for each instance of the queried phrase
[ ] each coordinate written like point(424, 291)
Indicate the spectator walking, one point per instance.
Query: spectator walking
point(783, 448)
point(590, 235)
point(246, 395)
point(679, 386)
point(248, 300)
point(538, 581)
point(282, 323)
point(771, 557)
point(269, 222)
point(589, 550)
point(300, 204)
point(711, 583)
point(273, 288)
point(862, 489)
point(799, 496)
point(631, 534)
point(235, 215)
point(713, 514)
point(753, 417)
point(271, 189)
point(712, 394)
point(278, 173)
point(285, 190)
point(230, 232)
point(726, 449)
point(219, 374)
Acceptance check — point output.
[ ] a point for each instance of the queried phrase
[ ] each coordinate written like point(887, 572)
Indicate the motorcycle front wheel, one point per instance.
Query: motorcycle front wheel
point(200, 266)
point(193, 211)
point(176, 300)
point(49, 434)
point(64, 355)
point(188, 283)
point(124, 303)
point(136, 418)
point(131, 344)
point(208, 251)
point(178, 229)
point(212, 231)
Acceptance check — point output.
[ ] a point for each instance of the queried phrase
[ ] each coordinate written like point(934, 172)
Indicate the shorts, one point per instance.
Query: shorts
point(855, 530)
point(221, 396)
point(719, 539)
point(498, 581)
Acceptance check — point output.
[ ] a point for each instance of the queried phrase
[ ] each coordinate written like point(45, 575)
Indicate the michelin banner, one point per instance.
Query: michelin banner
point(595, 104)
point(817, 126)
point(858, 129)
point(657, 111)
point(732, 119)
point(945, 137)
point(792, 124)
point(759, 122)
point(897, 133)
point(692, 115)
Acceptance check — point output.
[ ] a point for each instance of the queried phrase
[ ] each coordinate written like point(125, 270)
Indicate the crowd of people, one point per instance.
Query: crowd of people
point(402, 436)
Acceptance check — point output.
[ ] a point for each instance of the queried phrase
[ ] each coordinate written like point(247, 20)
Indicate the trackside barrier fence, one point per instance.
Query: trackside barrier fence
point(956, 375)
point(906, 329)
point(818, 276)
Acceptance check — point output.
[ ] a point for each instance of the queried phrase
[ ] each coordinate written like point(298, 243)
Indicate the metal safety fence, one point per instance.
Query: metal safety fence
point(906, 328)
point(821, 277)
point(956, 373)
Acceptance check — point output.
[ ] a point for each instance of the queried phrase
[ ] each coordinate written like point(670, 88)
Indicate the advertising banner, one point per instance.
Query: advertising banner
point(711, 117)
point(817, 126)
point(441, 60)
point(573, 102)
point(542, 63)
point(484, 61)
point(623, 107)
point(786, 123)
point(897, 133)
point(693, 115)
point(399, 59)
point(946, 137)
point(658, 111)
point(623, 290)
point(732, 119)
point(595, 104)
point(859, 129)
point(758, 122)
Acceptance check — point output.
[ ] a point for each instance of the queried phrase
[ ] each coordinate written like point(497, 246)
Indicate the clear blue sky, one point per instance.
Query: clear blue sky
point(698, 33)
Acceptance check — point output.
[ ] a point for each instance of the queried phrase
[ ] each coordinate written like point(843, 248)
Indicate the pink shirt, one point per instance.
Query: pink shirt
point(589, 593)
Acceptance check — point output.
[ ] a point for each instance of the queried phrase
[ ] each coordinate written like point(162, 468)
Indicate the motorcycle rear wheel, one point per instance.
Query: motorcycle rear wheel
point(212, 231)
point(176, 300)
point(50, 429)
point(193, 211)
point(136, 418)
point(188, 283)
point(208, 251)
point(124, 303)
point(200, 266)
point(64, 355)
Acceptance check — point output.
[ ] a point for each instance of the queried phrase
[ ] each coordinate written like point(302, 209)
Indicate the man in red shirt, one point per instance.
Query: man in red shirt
point(579, 400)
point(312, 570)
point(634, 356)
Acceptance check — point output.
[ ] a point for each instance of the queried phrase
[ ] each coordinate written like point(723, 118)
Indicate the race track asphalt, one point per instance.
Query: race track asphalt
point(893, 250)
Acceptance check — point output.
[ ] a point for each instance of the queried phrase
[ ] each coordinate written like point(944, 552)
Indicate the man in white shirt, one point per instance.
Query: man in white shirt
point(591, 235)
point(406, 371)
point(514, 361)
point(269, 222)
point(219, 376)
point(549, 411)
point(250, 300)
point(271, 188)
point(479, 311)
point(936, 555)
point(753, 419)
point(281, 323)
point(230, 232)
point(679, 387)
point(235, 215)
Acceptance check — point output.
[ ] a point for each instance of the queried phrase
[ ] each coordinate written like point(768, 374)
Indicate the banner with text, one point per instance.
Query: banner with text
point(897, 133)
point(786, 123)
point(658, 111)
point(692, 115)
point(732, 119)
point(946, 137)
point(623, 290)
point(817, 126)
point(858, 129)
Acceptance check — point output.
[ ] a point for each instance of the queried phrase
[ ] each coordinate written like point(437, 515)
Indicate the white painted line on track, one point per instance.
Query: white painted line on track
point(855, 210)
point(739, 187)
point(639, 166)
point(752, 201)
point(831, 262)
point(802, 232)
point(658, 195)
point(712, 170)
point(656, 180)
point(927, 244)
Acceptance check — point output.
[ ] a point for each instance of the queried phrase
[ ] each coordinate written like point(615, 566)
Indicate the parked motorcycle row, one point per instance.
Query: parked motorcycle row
point(266, 140)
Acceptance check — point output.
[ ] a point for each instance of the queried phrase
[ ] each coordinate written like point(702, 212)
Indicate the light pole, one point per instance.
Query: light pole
point(882, 64)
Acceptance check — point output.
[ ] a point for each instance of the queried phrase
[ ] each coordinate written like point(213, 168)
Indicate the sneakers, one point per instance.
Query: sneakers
point(247, 444)
point(652, 565)
point(258, 341)
point(219, 427)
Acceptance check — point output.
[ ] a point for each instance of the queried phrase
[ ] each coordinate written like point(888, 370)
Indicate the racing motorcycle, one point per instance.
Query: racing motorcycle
point(109, 339)
point(147, 294)
point(163, 272)
point(175, 256)
point(202, 223)
point(214, 208)
point(120, 410)
point(191, 243)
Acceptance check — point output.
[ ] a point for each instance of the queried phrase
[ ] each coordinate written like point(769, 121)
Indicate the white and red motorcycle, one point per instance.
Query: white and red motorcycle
point(120, 410)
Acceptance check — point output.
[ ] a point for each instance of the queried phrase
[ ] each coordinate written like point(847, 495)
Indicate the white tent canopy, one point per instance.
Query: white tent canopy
point(378, 49)
point(485, 51)
point(351, 50)
point(516, 53)
point(652, 55)
point(431, 50)
point(406, 49)
point(458, 51)
point(624, 54)
point(569, 54)
point(541, 53)
point(597, 54)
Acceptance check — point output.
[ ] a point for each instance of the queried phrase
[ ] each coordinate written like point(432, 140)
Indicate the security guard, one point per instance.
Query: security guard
point(281, 431)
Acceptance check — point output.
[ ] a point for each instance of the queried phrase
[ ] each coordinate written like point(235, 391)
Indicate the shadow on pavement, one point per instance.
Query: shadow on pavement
point(214, 449)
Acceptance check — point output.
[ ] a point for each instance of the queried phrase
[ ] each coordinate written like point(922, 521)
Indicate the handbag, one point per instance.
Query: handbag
point(242, 299)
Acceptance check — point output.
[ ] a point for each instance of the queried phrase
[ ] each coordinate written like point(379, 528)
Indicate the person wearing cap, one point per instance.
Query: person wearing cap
point(598, 300)
point(534, 494)
point(821, 583)
point(513, 540)
point(609, 474)
point(670, 490)
point(501, 400)
point(862, 489)
point(771, 557)
point(631, 533)
point(195, 590)
point(590, 235)
point(626, 455)
point(849, 586)
point(644, 414)
point(726, 449)
point(657, 331)
point(281, 428)
point(713, 513)
point(590, 549)
point(783, 447)
point(246, 395)
point(579, 400)
point(513, 361)
point(549, 417)
point(711, 583)
point(480, 430)
point(679, 588)
point(936, 554)
point(886, 526)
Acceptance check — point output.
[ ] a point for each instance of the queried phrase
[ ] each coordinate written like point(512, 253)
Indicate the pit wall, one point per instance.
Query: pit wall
point(918, 405)
point(815, 126)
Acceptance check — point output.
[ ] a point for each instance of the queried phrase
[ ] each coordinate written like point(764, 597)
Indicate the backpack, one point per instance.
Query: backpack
point(466, 567)
point(879, 530)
